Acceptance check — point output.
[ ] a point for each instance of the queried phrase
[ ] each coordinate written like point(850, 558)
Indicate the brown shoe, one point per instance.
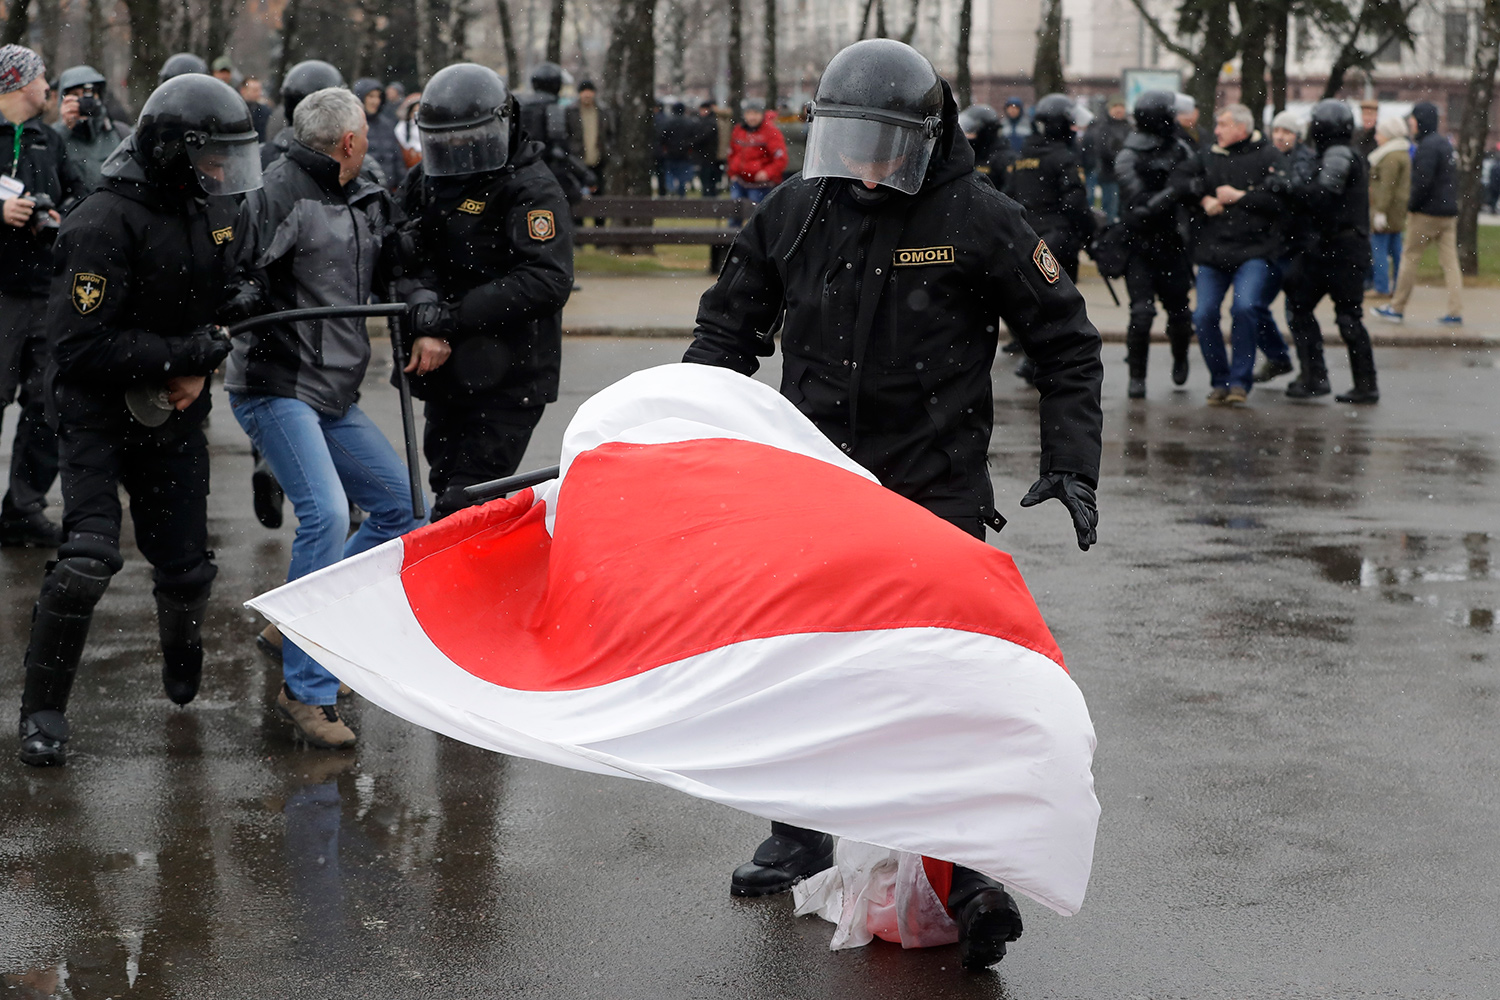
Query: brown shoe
point(1236, 397)
point(1216, 396)
point(319, 725)
point(345, 690)
point(269, 642)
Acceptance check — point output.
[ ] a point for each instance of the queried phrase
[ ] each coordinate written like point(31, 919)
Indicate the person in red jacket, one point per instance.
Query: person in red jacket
point(757, 154)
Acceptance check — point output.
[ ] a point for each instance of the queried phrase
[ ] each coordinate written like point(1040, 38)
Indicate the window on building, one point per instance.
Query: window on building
point(1389, 53)
point(1302, 38)
point(1067, 41)
point(1155, 50)
point(1387, 95)
point(1456, 38)
point(1455, 110)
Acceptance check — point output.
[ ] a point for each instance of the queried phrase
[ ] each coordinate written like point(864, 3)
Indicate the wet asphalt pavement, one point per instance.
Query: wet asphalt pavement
point(1286, 637)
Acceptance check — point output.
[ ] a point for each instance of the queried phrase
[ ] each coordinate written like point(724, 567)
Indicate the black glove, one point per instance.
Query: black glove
point(245, 300)
point(200, 352)
point(1077, 495)
point(430, 315)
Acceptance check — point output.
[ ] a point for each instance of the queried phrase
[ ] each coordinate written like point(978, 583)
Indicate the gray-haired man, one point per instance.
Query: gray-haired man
point(319, 239)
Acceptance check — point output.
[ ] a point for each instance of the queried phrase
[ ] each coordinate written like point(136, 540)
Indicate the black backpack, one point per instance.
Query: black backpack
point(1110, 250)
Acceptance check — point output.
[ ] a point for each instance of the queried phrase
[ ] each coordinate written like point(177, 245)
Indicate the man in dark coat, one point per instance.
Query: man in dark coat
point(385, 148)
point(1047, 178)
point(1432, 217)
point(493, 248)
point(1236, 239)
point(888, 281)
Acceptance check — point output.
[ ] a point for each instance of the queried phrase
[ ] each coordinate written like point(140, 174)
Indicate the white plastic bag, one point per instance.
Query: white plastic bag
point(875, 892)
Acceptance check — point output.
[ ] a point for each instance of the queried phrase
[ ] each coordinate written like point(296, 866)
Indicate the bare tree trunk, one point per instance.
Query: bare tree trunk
point(911, 23)
point(880, 19)
point(508, 39)
point(773, 89)
point(1473, 135)
point(288, 39)
point(48, 15)
point(17, 23)
point(148, 48)
point(736, 58)
point(1281, 16)
point(864, 20)
point(555, 17)
point(1254, 27)
point(1047, 70)
point(93, 44)
point(676, 19)
point(632, 65)
point(184, 27)
point(1219, 44)
point(963, 80)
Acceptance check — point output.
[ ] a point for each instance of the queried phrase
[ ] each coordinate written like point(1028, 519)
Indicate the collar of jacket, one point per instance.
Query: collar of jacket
point(1387, 148)
point(1250, 141)
point(322, 168)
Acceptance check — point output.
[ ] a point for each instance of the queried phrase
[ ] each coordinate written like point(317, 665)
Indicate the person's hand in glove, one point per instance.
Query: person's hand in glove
point(1077, 495)
point(245, 300)
point(200, 352)
point(431, 319)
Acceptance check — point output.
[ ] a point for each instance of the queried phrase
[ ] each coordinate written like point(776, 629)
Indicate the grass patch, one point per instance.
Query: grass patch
point(1430, 273)
point(667, 260)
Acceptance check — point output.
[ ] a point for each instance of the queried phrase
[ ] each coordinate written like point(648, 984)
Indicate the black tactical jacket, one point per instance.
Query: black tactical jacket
point(890, 325)
point(498, 247)
point(25, 256)
point(1248, 229)
point(138, 270)
point(1046, 177)
point(1298, 169)
point(1149, 203)
point(1331, 195)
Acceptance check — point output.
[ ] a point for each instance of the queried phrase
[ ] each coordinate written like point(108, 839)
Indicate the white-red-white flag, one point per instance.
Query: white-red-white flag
point(713, 597)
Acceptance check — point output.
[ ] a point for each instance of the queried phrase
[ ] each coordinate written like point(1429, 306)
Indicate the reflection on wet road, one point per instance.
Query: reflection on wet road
point(1287, 639)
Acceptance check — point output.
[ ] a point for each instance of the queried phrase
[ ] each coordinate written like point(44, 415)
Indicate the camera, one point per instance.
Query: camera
point(42, 222)
point(89, 107)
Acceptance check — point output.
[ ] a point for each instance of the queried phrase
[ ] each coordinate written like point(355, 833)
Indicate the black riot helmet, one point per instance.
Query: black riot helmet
point(195, 131)
point(876, 116)
point(1331, 124)
point(1156, 113)
point(1053, 117)
point(307, 76)
point(181, 64)
point(464, 121)
point(981, 122)
point(547, 78)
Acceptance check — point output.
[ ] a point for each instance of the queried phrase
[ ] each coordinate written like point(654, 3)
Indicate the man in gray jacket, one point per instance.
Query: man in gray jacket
point(319, 239)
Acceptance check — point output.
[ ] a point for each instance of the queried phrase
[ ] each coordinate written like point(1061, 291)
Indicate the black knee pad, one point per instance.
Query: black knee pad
point(92, 546)
point(185, 586)
point(74, 585)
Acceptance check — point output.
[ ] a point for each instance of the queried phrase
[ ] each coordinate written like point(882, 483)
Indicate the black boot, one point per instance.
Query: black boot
point(1137, 387)
point(987, 916)
point(59, 628)
point(28, 531)
point(782, 860)
point(266, 493)
point(1307, 338)
point(180, 623)
point(1361, 361)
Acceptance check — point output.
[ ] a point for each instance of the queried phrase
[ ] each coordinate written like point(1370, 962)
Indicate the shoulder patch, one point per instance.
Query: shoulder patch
point(1045, 262)
point(471, 206)
point(88, 292)
point(222, 236)
point(924, 255)
point(540, 225)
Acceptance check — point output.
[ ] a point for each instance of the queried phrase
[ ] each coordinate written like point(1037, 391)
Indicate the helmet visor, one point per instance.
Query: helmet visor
point(227, 164)
point(472, 149)
point(866, 149)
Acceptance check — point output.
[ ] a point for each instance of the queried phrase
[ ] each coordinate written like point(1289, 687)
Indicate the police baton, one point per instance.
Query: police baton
point(1111, 290)
point(497, 488)
point(397, 312)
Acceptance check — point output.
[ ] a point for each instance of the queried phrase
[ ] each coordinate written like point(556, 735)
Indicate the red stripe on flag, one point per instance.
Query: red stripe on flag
point(665, 551)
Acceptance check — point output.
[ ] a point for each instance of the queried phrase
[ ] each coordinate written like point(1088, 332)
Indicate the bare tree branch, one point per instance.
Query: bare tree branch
point(1161, 33)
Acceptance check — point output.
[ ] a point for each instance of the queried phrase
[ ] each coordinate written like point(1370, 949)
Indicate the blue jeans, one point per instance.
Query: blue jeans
point(322, 463)
point(755, 194)
point(1270, 340)
point(1109, 199)
point(1386, 249)
point(1249, 313)
point(678, 176)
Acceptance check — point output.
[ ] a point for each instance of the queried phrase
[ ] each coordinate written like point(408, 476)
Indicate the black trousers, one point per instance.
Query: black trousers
point(1152, 276)
point(1338, 270)
point(23, 366)
point(469, 443)
point(165, 471)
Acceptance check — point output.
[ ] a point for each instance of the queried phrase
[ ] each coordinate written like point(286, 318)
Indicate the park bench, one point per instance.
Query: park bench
point(636, 222)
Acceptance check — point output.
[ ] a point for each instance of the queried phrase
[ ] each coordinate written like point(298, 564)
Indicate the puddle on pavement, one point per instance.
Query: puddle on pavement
point(1438, 571)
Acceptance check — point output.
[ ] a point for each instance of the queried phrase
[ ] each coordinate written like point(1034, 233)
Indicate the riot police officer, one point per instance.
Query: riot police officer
point(888, 264)
point(142, 268)
point(545, 120)
point(1334, 257)
point(180, 64)
point(87, 131)
point(1047, 179)
point(491, 247)
point(992, 156)
point(1158, 266)
point(302, 79)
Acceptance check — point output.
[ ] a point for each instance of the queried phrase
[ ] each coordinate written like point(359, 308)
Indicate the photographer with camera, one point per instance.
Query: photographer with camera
point(36, 177)
point(88, 132)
